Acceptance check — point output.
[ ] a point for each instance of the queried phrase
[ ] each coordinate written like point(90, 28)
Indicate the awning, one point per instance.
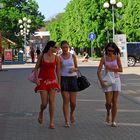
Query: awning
point(10, 41)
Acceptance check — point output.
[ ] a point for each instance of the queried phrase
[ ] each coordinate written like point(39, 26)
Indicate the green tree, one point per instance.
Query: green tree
point(54, 26)
point(83, 16)
point(14, 10)
point(131, 21)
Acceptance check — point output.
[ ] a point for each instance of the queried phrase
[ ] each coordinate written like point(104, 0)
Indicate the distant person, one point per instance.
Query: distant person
point(32, 54)
point(20, 51)
point(69, 85)
point(0, 61)
point(112, 63)
point(48, 80)
point(72, 51)
point(38, 52)
point(86, 57)
point(59, 51)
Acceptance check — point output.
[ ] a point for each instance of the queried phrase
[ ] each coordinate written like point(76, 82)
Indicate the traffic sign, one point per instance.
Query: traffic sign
point(91, 36)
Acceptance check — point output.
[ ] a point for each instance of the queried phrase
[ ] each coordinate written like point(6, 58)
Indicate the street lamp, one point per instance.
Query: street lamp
point(112, 3)
point(24, 25)
point(1, 6)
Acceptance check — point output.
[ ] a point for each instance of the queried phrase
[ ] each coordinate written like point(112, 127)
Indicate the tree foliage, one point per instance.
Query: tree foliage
point(82, 17)
point(131, 21)
point(14, 10)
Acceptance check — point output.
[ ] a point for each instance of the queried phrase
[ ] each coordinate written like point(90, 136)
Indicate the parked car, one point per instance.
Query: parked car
point(133, 53)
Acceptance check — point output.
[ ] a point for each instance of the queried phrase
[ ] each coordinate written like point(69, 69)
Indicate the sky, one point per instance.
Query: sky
point(50, 8)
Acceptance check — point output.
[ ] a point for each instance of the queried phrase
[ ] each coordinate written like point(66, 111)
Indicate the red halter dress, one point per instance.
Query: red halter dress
point(47, 76)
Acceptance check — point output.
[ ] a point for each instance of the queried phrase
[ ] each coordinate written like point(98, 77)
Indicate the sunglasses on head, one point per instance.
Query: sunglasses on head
point(109, 50)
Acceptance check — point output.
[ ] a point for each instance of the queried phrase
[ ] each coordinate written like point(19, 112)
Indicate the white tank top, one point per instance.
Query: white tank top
point(66, 65)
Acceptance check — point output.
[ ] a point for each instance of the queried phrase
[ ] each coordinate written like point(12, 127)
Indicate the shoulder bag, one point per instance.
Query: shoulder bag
point(31, 76)
point(109, 79)
point(82, 81)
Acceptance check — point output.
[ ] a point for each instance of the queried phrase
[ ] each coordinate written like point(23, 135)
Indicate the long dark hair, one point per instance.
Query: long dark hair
point(48, 45)
point(64, 42)
point(113, 46)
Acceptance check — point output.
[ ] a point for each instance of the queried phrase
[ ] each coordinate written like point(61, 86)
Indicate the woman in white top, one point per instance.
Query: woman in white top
point(68, 82)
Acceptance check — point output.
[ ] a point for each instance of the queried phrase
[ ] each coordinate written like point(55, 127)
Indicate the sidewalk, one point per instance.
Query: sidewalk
point(19, 108)
point(90, 63)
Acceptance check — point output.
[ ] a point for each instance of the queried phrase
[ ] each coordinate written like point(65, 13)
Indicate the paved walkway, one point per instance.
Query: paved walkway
point(90, 63)
point(19, 107)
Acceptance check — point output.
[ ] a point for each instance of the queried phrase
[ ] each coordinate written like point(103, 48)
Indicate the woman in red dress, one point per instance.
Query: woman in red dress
point(47, 80)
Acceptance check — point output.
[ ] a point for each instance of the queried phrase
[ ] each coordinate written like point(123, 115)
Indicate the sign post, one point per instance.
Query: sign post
point(91, 37)
point(8, 55)
point(0, 52)
point(120, 40)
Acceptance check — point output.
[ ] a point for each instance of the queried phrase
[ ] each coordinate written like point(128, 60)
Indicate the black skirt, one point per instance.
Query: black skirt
point(69, 83)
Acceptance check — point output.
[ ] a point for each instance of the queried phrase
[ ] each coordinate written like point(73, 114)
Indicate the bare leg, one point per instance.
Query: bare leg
point(65, 96)
point(72, 106)
point(44, 102)
point(114, 106)
point(52, 94)
point(108, 105)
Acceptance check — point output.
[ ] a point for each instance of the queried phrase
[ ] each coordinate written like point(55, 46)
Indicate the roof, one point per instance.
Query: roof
point(10, 41)
point(42, 33)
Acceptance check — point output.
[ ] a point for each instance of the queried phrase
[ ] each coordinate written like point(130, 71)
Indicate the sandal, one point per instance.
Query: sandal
point(108, 119)
point(72, 120)
point(113, 124)
point(67, 125)
point(40, 118)
point(52, 126)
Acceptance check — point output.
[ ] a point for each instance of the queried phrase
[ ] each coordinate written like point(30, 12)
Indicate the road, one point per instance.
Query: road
point(19, 107)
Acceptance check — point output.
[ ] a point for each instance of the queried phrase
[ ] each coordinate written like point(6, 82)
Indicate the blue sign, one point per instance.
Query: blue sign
point(91, 36)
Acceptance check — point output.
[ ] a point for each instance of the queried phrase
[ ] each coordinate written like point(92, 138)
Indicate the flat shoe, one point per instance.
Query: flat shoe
point(113, 124)
point(67, 125)
point(40, 118)
point(108, 119)
point(52, 126)
point(72, 120)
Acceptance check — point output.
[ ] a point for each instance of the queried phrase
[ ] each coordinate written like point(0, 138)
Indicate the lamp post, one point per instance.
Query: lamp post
point(24, 25)
point(1, 6)
point(113, 3)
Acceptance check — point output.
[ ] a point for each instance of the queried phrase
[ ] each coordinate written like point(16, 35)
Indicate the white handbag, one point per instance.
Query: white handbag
point(109, 79)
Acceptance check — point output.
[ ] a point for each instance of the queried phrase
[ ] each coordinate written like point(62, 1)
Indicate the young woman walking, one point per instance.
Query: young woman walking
point(112, 63)
point(48, 80)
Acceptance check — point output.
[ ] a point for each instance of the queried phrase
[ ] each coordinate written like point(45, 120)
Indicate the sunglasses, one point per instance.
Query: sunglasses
point(109, 50)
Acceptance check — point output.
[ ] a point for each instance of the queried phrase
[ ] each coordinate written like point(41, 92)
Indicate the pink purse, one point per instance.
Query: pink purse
point(31, 77)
